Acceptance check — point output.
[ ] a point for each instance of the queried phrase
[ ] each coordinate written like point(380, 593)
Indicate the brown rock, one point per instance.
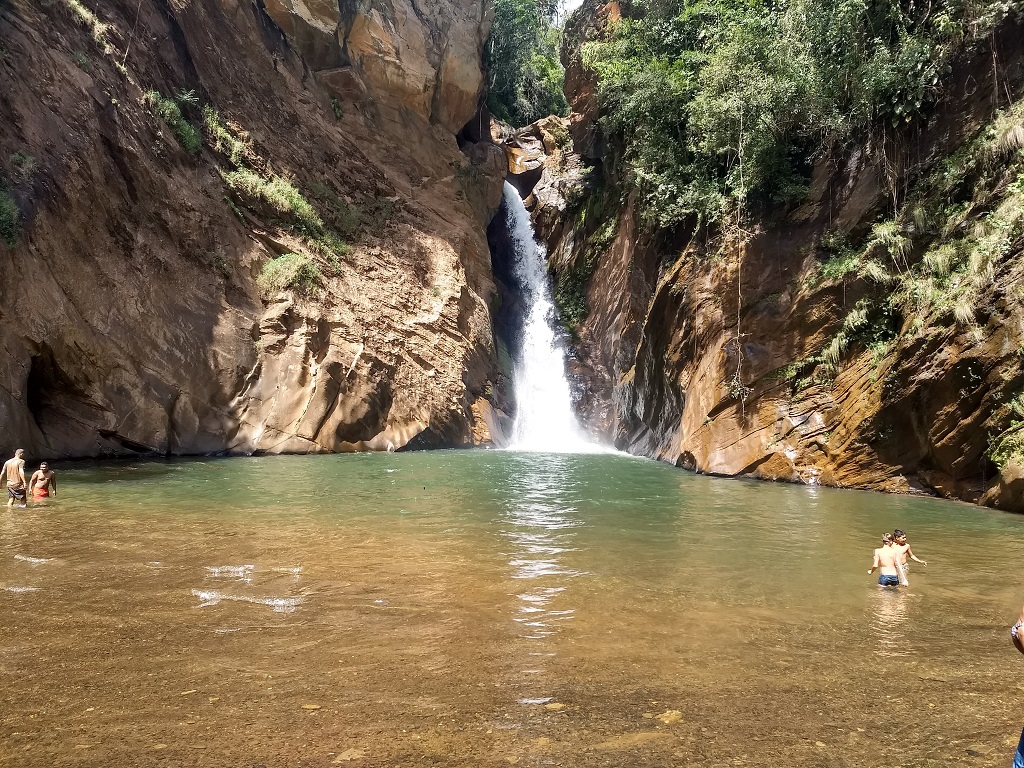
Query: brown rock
point(139, 326)
point(1008, 492)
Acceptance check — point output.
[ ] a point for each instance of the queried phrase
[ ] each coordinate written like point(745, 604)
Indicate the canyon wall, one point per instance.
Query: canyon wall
point(163, 165)
point(740, 353)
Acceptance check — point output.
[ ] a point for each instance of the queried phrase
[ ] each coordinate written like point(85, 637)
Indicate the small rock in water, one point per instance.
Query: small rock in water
point(311, 706)
point(159, 746)
point(188, 692)
point(819, 743)
point(555, 706)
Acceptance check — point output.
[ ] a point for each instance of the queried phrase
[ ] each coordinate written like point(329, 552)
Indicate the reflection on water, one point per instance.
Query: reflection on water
point(495, 609)
point(890, 608)
point(538, 522)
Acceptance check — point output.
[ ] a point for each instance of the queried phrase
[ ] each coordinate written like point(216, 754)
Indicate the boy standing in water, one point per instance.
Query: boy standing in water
point(901, 545)
point(886, 561)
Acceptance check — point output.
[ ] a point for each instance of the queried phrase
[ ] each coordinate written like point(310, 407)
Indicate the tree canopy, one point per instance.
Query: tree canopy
point(521, 57)
point(710, 102)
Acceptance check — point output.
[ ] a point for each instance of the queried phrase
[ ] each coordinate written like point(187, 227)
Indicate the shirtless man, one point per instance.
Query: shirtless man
point(901, 545)
point(43, 482)
point(14, 473)
point(885, 561)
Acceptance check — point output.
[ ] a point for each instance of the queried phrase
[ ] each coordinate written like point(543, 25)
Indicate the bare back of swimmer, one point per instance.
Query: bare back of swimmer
point(886, 562)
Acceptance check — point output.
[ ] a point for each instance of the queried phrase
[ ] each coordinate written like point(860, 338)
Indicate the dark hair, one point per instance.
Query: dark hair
point(886, 538)
point(897, 533)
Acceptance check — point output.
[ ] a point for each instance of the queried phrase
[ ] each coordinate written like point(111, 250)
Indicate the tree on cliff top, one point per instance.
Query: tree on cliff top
point(524, 74)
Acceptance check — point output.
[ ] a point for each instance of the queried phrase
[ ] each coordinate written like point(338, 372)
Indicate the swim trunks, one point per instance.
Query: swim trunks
point(886, 580)
point(16, 492)
point(1018, 758)
point(40, 493)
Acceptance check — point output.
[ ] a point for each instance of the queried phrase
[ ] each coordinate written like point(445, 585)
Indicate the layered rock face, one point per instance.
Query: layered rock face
point(721, 354)
point(136, 311)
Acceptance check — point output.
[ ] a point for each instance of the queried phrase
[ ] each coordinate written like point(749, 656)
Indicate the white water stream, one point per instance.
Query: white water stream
point(544, 420)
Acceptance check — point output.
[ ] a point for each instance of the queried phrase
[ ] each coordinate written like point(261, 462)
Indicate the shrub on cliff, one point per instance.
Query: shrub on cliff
point(521, 57)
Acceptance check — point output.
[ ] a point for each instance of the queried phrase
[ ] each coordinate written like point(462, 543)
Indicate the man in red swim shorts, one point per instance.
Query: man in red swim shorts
point(43, 482)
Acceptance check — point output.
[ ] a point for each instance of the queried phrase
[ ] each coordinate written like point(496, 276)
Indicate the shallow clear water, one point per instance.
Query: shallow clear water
point(493, 609)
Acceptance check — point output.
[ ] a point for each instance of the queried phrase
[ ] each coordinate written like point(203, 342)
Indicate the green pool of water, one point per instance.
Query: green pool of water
point(491, 609)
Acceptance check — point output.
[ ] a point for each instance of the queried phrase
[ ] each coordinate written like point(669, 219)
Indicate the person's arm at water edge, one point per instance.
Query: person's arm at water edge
point(912, 556)
point(874, 564)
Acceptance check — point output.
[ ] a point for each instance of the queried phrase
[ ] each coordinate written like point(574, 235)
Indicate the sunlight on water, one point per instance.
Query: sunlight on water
point(496, 608)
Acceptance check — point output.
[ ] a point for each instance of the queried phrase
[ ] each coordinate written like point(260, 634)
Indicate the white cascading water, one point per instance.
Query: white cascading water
point(544, 417)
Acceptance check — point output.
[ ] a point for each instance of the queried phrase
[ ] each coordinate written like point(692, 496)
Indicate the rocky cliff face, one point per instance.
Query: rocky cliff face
point(745, 353)
point(141, 309)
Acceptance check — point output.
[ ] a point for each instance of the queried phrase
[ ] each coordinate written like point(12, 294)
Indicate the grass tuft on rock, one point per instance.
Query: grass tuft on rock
point(88, 19)
point(293, 271)
point(284, 198)
point(169, 110)
point(223, 139)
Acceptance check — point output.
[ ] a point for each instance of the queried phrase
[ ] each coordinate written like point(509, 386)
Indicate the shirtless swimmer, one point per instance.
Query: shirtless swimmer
point(14, 473)
point(886, 563)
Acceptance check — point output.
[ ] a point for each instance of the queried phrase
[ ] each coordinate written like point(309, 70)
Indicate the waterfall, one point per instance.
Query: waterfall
point(544, 418)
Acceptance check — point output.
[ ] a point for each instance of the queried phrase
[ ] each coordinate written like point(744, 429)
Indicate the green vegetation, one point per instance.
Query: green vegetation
point(352, 219)
point(223, 139)
point(521, 57)
point(710, 104)
point(571, 283)
point(279, 194)
point(254, 185)
point(1009, 445)
point(292, 270)
point(965, 219)
point(870, 325)
point(24, 166)
point(82, 61)
point(283, 198)
point(170, 111)
point(10, 217)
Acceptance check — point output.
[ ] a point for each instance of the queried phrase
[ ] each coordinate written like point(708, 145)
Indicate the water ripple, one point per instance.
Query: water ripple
point(279, 604)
